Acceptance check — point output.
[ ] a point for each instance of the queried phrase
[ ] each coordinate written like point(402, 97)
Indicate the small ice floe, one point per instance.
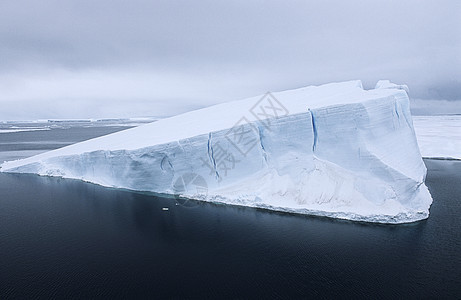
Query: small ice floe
point(165, 208)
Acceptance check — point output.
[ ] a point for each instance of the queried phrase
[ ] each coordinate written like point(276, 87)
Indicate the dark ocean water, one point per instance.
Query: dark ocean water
point(64, 238)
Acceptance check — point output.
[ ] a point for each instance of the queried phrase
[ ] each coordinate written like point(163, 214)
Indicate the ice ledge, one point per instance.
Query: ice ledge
point(400, 218)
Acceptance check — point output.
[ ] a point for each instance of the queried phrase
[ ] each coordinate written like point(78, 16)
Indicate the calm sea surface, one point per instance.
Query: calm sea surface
point(65, 238)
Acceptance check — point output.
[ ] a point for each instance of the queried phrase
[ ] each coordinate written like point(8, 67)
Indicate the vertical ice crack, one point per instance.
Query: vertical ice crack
point(314, 129)
point(260, 133)
point(211, 157)
point(396, 109)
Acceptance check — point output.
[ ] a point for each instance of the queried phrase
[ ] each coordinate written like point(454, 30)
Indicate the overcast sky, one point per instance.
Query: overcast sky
point(114, 58)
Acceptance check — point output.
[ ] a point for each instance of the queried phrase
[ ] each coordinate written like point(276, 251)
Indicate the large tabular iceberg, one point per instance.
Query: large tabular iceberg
point(334, 150)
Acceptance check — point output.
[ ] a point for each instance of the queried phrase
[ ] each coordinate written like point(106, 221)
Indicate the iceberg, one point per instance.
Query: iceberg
point(335, 150)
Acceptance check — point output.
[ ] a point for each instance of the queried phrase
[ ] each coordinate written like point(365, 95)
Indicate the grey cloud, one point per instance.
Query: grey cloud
point(273, 44)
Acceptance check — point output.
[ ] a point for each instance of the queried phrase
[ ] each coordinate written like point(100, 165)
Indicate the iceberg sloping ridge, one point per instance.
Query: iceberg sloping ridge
point(333, 150)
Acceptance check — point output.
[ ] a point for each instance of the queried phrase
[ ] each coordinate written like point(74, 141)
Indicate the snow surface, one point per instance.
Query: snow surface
point(334, 150)
point(439, 136)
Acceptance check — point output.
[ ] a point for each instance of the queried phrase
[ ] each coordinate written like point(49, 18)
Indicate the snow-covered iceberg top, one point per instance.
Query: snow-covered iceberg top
point(334, 150)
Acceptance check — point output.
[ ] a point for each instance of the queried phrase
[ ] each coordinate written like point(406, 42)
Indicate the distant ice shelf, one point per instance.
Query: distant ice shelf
point(439, 136)
point(333, 150)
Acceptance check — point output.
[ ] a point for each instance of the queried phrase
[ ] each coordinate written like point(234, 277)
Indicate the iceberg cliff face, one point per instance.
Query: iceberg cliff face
point(334, 150)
